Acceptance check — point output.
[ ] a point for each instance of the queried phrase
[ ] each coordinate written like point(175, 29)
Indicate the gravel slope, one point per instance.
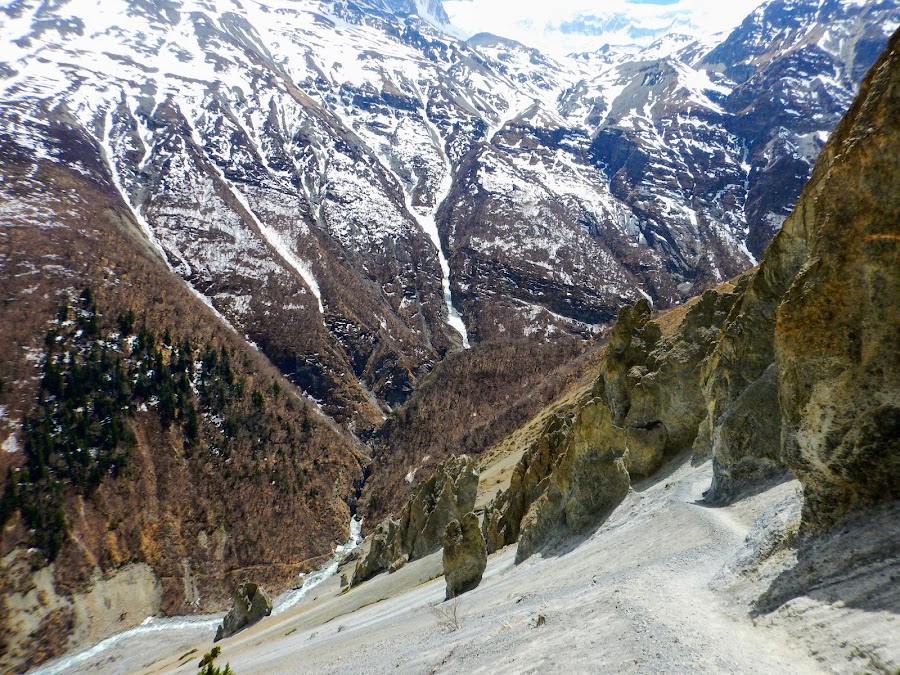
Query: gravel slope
point(665, 586)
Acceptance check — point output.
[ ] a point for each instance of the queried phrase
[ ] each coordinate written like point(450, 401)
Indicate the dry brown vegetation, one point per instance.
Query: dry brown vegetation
point(470, 401)
point(173, 501)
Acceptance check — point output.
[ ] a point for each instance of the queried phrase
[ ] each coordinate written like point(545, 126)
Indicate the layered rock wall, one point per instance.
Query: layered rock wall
point(838, 327)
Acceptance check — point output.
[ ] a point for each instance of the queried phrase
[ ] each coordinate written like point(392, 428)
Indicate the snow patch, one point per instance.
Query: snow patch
point(11, 444)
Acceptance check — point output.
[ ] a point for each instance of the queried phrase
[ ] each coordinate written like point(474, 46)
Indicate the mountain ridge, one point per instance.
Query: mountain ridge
point(353, 214)
point(467, 183)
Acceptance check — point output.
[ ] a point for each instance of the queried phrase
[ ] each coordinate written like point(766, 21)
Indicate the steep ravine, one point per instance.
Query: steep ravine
point(671, 484)
point(723, 499)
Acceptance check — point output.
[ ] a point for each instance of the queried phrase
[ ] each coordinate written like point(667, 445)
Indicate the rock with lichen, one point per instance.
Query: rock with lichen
point(464, 555)
point(250, 605)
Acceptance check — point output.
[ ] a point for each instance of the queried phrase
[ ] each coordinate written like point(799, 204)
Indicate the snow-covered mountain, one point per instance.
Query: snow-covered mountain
point(357, 191)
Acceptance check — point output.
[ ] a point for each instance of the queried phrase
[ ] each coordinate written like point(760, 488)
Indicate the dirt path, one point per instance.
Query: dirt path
point(635, 596)
point(643, 594)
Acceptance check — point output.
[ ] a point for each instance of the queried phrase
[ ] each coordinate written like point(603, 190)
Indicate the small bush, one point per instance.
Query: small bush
point(449, 615)
point(207, 667)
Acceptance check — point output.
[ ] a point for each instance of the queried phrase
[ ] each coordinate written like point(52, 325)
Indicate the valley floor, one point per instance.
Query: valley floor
point(666, 585)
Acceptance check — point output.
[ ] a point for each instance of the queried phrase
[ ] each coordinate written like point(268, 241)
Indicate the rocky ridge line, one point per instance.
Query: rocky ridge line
point(805, 344)
point(445, 496)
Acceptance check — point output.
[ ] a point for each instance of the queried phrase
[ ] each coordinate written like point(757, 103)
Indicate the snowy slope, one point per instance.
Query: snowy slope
point(358, 191)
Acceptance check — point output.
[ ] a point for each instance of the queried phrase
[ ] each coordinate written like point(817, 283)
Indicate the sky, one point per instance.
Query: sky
point(565, 26)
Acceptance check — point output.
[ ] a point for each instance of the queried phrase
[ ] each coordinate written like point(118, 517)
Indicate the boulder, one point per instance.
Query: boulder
point(465, 555)
point(250, 605)
point(398, 563)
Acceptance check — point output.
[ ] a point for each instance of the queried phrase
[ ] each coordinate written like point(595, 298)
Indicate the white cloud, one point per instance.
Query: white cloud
point(537, 22)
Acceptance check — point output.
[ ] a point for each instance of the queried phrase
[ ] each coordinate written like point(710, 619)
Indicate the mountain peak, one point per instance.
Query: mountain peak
point(431, 11)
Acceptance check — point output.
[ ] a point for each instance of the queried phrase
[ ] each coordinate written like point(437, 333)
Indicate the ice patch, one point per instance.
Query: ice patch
point(303, 268)
point(742, 245)
point(645, 294)
point(136, 214)
point(426, 219)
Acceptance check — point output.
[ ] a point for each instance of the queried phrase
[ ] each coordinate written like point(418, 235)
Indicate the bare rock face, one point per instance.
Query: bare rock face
point(250, 605)
point(646, 406)
point(665, 399)
point(588, 480)
point(822, 309)
point(748, 438)
point(377, 551)
point(740, 358)
point(743, 352)
point(503, 516)
point(465, 555)
point(632, 339)
point(447, 495)
point(838, 328)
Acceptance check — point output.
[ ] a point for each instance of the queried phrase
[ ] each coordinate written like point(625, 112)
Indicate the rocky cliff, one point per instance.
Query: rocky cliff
point(837, 330)
point(793, 367)
point(445, 496)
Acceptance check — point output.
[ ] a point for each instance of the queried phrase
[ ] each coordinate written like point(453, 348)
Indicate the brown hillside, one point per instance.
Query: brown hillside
point(188, 509)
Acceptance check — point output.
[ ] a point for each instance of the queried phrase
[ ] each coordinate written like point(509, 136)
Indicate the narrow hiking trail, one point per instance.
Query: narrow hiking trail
point(634, 596)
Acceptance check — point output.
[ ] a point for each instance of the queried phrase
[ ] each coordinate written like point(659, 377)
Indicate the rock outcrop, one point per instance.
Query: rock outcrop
point(377, 551)
point(632, 339)
point(741, 356)
point(812, 345)
point(250, 605)
point(665, 401)
point(503, 516)
point(588, 481)
point(748, 436)
point(465, 555)
point(838, 328)
point(447, 495)
point(645, 407)
point(793, 366)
